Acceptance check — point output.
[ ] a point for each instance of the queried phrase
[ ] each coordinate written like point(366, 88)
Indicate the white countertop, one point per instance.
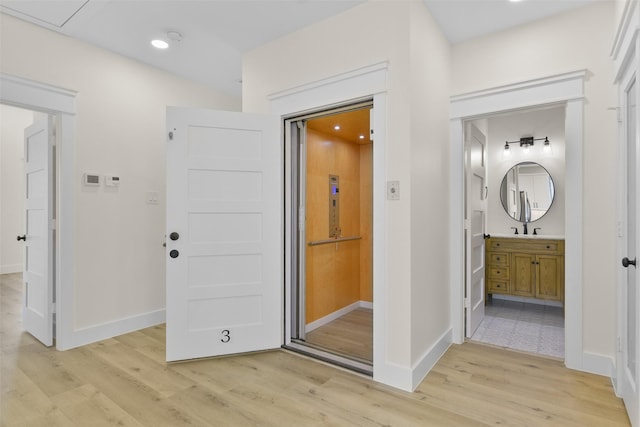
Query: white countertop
point(528, 236)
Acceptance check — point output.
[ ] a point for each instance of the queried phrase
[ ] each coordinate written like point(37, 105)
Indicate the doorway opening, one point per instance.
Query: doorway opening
point(332, 235)
point(28, 213)
point(522, 273)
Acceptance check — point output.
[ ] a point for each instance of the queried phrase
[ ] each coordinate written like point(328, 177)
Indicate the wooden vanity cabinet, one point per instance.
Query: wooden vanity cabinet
point(526, 267)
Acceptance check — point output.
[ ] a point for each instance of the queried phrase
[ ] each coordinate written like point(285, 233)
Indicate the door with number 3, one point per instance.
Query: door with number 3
point(224, 233)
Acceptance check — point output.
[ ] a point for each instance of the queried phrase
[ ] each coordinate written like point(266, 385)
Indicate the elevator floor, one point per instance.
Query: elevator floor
point(350, 335)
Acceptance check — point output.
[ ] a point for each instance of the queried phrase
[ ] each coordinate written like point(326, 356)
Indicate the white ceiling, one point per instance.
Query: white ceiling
point(216, 33)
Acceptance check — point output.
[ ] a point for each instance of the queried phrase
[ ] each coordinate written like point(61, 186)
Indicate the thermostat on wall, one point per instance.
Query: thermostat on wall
point(91, 179)
point(112, 181)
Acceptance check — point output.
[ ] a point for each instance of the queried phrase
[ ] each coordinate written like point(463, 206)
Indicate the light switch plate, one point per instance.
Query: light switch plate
point(153, 197)
point(393, 190)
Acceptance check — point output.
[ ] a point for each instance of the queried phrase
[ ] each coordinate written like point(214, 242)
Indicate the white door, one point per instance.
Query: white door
point(630, 331)
point(224, 233)
point(37, 313)
point(476, 208)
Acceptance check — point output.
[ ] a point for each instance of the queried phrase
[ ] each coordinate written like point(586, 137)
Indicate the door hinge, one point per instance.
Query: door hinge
point(53, 224)
point(467, 304)
point(618, 115)
point(170, 136)
point(52, 308)
point(620, 344)
point(467, 224)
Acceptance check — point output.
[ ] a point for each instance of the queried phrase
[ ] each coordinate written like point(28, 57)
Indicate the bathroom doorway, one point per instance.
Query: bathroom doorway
point(524, 284)
point(332, 286)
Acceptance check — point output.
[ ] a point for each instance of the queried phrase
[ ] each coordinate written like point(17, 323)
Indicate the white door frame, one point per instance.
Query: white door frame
point(364, 83)
point(32, 95)
point(625, 54)
point(567, 89)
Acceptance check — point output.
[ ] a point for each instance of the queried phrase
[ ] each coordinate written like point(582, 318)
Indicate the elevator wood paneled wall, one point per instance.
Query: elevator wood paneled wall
point(366, 222)
point(339, 274)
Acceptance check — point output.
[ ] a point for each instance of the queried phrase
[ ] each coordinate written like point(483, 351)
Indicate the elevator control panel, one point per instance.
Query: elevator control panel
point(334, 206)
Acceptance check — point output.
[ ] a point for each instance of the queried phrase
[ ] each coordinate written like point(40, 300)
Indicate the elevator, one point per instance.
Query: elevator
point(332, 201)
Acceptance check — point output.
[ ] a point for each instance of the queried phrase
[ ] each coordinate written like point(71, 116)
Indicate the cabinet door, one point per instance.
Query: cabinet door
point(523, 274)
point(550, 273)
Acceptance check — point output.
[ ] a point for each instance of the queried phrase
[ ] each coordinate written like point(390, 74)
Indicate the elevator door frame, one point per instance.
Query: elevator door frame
point(296, 163)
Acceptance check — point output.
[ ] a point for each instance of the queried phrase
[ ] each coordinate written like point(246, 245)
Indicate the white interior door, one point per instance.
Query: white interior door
point(630, 301)
point(37, 313)
point(224, 233)
point(476, 212)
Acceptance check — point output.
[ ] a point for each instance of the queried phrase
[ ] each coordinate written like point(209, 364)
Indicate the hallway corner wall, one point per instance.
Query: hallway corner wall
point(118, 259)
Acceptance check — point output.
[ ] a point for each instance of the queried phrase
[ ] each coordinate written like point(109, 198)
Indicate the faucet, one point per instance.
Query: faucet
point(524, 225)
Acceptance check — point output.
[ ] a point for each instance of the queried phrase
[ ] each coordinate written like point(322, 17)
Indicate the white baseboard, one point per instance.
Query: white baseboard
point(598, 364)
point(11, 268)
point(336, 314)
point(430, 358)
point(406, 378)
point(104, 331)
point(392, 375)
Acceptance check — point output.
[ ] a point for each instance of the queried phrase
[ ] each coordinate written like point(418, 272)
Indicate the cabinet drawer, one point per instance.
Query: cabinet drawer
point(498, 259)
point(498, 287)
point(526, 245)
point(499, 273)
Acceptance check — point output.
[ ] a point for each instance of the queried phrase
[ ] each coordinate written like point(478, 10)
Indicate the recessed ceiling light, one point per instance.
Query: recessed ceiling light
point(337, 127)
point(159, 44)
point(361, 136)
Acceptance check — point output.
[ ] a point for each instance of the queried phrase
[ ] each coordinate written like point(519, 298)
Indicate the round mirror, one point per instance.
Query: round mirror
point(527, 192)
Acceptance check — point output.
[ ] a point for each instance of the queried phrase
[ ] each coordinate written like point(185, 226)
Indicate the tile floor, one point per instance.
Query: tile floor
point(523, 326)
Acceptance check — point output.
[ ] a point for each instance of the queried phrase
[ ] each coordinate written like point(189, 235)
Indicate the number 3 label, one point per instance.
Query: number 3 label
point(226, 336)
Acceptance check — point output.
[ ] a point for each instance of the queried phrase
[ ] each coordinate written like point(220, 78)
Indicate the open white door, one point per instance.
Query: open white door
point(38, 308)
point(224, 233)
point(630, 290)
point(476, 211)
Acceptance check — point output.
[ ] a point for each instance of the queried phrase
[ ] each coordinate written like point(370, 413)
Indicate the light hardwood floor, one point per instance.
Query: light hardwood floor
point(349, 335)
point(124, 381)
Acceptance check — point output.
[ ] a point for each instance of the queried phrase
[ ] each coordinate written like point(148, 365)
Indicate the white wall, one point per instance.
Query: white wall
point(120, 129)
point(13, 121)
point(580, 39)
point(403, 34)
point(510, 127)
point(430, 90)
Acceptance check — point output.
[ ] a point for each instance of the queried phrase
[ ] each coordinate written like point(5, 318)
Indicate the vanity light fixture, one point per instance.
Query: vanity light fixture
point(526, 143)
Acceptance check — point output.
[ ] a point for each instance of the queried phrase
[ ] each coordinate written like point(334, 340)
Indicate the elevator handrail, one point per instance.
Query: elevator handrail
point(336, 240)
